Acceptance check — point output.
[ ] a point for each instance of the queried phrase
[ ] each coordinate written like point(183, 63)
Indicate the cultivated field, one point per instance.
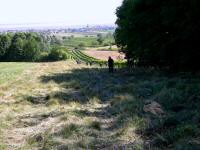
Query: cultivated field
point(62, 105)
point(80, 34)
point(104, 54)
point(85, 42)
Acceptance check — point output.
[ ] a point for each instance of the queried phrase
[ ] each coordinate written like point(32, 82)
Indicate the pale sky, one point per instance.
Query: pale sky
point(69, 12)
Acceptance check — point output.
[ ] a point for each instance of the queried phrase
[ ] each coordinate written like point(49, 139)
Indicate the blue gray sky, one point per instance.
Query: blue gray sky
point(68, 12)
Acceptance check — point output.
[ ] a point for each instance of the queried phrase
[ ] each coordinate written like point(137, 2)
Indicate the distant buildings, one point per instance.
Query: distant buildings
point(59, 29)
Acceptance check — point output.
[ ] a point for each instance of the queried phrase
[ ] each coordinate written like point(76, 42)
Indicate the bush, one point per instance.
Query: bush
point(43, 57)
point(94, 43)
point(81, 45)
point(57, 54)
point(106, 44)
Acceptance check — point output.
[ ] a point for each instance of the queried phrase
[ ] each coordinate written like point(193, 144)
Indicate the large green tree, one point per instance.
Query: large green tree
point(160, 32)
point(31, 50)
point(15, 52)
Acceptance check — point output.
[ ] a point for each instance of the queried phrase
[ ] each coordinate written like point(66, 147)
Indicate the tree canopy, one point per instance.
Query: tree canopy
point(5, 42)
point(29, 47)
point(160, 33)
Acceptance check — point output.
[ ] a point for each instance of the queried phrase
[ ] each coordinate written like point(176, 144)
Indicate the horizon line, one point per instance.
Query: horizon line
point(51, 24)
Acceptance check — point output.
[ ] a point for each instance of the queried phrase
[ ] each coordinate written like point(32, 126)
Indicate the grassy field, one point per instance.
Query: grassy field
point(62, 105)
point(9, 71)
point(85, 41)
point(77, 34)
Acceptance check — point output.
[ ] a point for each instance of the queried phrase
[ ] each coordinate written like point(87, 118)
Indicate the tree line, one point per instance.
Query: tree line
point(162, 33)
point(29, 47)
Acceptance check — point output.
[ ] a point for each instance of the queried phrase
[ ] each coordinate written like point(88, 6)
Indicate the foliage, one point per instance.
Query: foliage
point(160, 33)
point(5, 42)
point(57, 54)
point(100, 39)
point(27, 47)
point(55, 40)
point(31, 50)
point(81, 45)
point(15, 52)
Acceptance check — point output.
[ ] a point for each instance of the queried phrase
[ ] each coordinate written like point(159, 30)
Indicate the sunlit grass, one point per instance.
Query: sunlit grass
point(9, 71)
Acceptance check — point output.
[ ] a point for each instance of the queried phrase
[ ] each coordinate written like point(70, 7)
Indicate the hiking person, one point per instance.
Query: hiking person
point(111, 65)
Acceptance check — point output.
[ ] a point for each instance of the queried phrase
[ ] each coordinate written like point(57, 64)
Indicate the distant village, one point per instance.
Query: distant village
point(59, 29)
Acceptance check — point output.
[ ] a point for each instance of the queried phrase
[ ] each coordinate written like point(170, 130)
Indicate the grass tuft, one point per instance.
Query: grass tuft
point(69, 130)
point(96, 125)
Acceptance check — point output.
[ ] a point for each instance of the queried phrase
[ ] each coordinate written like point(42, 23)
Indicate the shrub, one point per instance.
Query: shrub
point(81, 45)
point(53, 102)
point(57, 54)
point(106, 44)
point(69, 130)
point(43, 57)
point(94, 43)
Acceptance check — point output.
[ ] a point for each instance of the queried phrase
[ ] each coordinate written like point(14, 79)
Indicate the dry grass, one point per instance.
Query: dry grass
point(34, 108)
point(63, 105)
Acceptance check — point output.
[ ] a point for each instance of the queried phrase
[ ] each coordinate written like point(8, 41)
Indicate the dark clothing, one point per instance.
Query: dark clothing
point(111, 64)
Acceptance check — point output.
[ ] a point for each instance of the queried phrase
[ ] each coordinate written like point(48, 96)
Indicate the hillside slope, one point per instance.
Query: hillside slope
point(63, 105)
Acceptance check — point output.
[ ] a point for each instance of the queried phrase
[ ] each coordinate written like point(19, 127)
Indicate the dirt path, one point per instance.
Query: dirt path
point(62, 106)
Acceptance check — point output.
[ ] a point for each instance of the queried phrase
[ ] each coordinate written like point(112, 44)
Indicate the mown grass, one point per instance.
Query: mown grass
point(128, 94)
point(139, 109)
point(9, 71)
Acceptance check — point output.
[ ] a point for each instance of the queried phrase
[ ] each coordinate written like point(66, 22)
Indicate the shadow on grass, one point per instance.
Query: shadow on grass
point(112, 91)
point(83, 84)
point(123, 96)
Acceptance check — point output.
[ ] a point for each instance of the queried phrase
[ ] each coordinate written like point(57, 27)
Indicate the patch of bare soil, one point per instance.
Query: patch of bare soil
point(103, 54)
